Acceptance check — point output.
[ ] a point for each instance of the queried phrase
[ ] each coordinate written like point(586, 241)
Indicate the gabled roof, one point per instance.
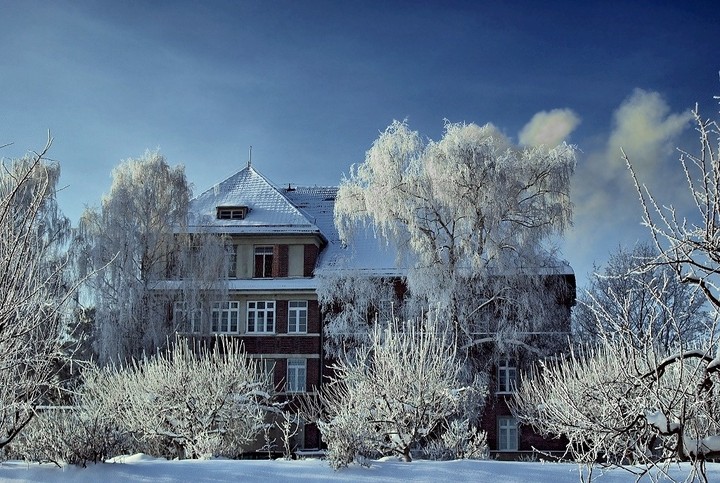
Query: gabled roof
point(269, 211)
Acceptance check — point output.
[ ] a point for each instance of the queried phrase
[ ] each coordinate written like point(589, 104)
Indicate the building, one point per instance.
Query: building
point(277, 240)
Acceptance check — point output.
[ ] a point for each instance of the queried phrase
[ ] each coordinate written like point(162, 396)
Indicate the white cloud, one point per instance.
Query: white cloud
point(607, 209)
point(646, 130)
point(549, 128)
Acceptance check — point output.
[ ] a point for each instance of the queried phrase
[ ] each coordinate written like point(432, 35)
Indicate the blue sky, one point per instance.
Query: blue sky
point(310, 84)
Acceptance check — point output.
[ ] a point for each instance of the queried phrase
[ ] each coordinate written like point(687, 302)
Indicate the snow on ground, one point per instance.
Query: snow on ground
point(140, 468)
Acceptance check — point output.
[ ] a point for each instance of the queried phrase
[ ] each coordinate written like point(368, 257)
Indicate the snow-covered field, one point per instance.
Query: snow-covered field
point(139, 468)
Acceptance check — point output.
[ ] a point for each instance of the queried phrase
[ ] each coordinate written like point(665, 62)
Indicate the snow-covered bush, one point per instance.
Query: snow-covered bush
point(71, 435)
point(461, 440)
point(186, 402)
point(396, 392)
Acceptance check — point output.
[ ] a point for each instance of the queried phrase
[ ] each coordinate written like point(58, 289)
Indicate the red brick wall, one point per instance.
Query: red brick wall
point(313, 374)
point(281, 316)
point(273, 344)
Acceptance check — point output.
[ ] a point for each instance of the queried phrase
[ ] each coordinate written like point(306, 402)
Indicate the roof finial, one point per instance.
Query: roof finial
point(250, 158)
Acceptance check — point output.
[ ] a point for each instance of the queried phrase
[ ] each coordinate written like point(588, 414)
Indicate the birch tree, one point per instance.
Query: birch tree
point(34, 288)
point(127, 243)
point(471, 216)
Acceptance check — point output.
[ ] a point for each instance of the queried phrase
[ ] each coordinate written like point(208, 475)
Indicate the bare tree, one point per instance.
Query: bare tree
point(33, 288)
point(625, 293)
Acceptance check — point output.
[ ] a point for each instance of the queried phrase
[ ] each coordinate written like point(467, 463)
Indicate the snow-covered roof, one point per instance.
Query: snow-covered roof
point(257, 285)
point(305, 210)
point(366, 253)
point(269, 212)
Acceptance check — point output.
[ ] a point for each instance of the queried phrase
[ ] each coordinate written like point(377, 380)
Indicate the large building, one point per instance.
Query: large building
point(278, 239)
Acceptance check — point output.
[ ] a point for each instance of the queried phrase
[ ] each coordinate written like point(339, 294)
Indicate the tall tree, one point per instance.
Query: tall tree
point(128, 242)
point(34, 288)
point(630, 397)
point(471, 215)
point(622, 295)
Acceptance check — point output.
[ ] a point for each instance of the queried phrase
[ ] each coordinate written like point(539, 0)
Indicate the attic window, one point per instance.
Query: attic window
point(232, 212)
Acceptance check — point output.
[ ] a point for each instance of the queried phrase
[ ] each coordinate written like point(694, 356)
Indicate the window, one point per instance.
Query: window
point(232, 260)
point(186, 320)
point(297, 316)
point(507, 376)
point(232, 212)
point(261, 317)
point(226, 317)
point(296, 375)
point(507, 434)
point(263, 262)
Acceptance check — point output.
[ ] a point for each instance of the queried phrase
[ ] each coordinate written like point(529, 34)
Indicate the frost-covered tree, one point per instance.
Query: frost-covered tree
point(400, 388)
point(200, 263)
point(625, 293)
point(629, 398)
point(618, 403)
point(34, 289)
point(471, 216)
point(186, 402)
point(127, 243)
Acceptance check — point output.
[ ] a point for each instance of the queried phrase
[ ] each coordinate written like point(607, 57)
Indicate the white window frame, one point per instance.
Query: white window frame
point(232, 212)
point(266, 252)
point(225, 317)
point(507, 376)
point(260, 317)
point(190, 321)
point(296, 375)
point(508, 433)
point(297, 316)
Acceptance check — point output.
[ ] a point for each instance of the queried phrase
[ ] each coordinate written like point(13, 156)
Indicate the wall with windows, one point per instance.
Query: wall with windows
point(507, 439)
point(255, 257)
point(250, 315)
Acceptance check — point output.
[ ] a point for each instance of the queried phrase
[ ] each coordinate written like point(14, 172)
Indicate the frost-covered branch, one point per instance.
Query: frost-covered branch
point(34, 289)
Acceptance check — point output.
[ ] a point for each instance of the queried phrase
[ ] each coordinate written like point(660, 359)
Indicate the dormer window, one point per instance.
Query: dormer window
point(232, 212)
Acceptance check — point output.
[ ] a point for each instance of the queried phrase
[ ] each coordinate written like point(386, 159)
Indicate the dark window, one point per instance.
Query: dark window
point(263, 262)
point(232, 212)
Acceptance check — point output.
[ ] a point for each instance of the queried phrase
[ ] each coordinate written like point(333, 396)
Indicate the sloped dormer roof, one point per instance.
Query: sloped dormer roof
point(269, 212)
